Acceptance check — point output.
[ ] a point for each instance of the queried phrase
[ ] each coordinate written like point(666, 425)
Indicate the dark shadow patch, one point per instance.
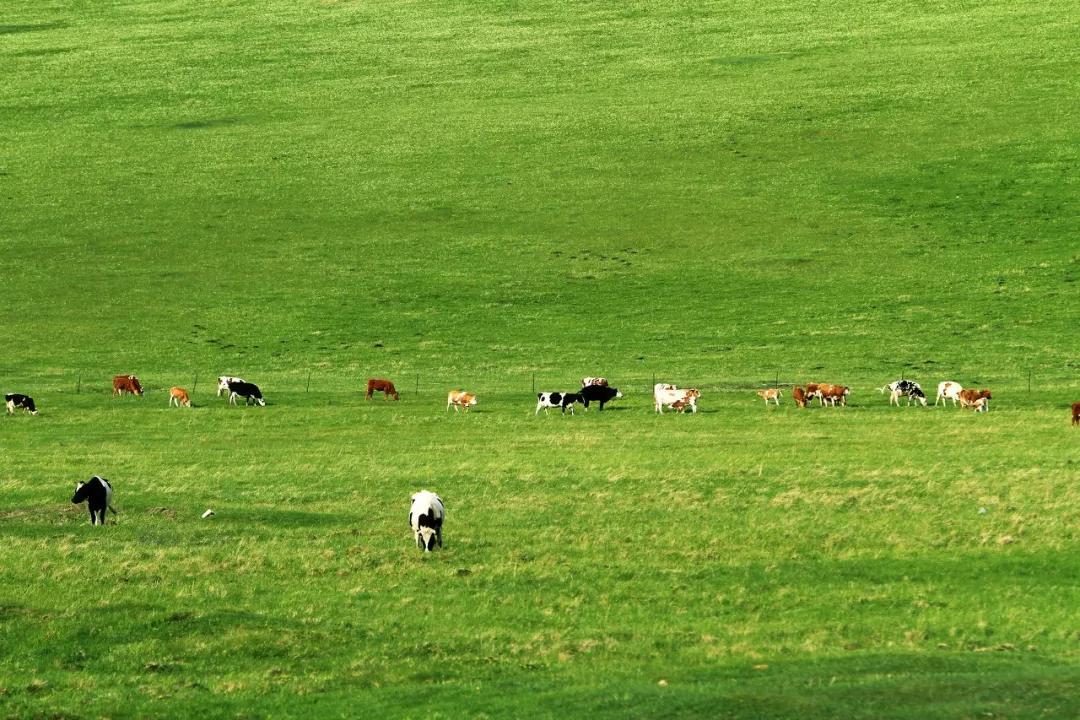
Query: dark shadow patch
point(206, 124)
point(44, 52)
point(31, 27)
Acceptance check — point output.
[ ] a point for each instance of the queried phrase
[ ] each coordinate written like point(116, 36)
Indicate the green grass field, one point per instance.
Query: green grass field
point(501, 196)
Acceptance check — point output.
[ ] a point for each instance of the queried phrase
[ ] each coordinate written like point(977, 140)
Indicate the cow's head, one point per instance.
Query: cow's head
point(425, 539)
point(81, 491)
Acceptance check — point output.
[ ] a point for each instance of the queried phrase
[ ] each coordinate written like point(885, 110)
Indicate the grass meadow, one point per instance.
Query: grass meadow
point(505, 197)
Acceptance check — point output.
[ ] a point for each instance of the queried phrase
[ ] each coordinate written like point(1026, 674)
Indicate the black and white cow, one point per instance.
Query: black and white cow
point(426, 519)
point(909, 388)
point(223, 383)
point(249, 391)
point(97, 492)
point(15, 400)
point(598, 393)
point(545, 400)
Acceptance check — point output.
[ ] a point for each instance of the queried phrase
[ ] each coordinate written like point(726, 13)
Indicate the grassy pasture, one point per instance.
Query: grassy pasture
point(466, 194)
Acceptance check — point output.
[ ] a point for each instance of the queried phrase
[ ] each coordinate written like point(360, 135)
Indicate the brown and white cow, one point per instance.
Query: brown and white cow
point(977, 399)
point(799, 395)
point(1076, 413)
point(179, 396)
point(384, 386)
point(665, 394)
point(587, 381)
point(460, 399)
point(126, 383)
point(770, 394)
point(948, 390)
point(827, 393)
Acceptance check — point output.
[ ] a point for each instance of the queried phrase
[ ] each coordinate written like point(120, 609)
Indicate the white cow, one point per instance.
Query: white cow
point(665, 394)
point(948, 390)
point(426, 519)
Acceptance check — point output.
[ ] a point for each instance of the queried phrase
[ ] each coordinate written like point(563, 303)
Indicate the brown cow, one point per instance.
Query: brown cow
point(179, 396)
point(971, 398)
point(460, 398)
point(126, 383)
point(1076, 413)
point(799, 396)
point(832, 393)
point(384, 386)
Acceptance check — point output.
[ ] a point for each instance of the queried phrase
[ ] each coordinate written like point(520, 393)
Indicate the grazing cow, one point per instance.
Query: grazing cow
point(384, 386)
point(770, 394)
point(97, 492)
point(828, 393)
point(223, 383)
point(900, 388)
point(599, 393)
point(249, 391)
point(948, 390)
point(665, 394)
point(1076, 413)
point(460, 399)
point(126, 383)
point(799, 395)
point(16, 400)
point(547, 400)
point(179, 396)
point(426, 519)
point(971, 398)
point(587, 381)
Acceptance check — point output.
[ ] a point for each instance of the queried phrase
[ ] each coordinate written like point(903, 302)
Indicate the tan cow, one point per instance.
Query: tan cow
point(460, 399)
point(179, 396)
point(768, 394)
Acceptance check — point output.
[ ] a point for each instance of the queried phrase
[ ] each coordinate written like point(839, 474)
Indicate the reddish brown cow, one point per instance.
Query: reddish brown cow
point(1076, 413)
point(384, 386)
point(971, 398)
point(126, 383)
point(799, 395)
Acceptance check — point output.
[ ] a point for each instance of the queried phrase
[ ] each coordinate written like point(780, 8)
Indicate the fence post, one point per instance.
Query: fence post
point(195, 383)
point(534, 382)
point(417, 390)
point(1029, 380)
point(308, 385)
point(78, 384)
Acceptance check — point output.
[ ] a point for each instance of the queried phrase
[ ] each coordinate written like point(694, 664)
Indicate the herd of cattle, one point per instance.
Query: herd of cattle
point(593, 390)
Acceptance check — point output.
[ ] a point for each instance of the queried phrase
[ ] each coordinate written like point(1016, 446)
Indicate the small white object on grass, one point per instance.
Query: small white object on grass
point(208, 513)
point(982, 511)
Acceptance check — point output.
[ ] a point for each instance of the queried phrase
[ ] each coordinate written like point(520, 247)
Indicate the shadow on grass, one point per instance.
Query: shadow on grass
point(31, 27)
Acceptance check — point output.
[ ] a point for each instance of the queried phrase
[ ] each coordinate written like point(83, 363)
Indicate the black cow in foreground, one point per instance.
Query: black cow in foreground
point(598, 393)
point(15, 400)
point(249, 391)
point(97, 492)
point(545, 400)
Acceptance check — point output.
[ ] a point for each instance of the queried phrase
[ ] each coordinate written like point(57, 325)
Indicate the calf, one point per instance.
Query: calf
point(665, 394)
point(679, 405)
point(249, 391)
point(460, 399)
point(948, 390)
point(587, 381)
point(16, 400)
point(179, 396)
point(97, 492)
point(770, 394)
point(971, 398)
point(598, 393)
point(1076, 413)
point(223, 383)
point(799, 395)
point(426, 519)
point(547, 400)
point(126, 383)
point(384, 386)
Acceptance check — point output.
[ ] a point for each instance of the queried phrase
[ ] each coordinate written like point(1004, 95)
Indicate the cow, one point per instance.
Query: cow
point(666, 394)
point(426, 519)
point(460, 399)
point(179, 396)
point(770, 394)
point(547, 400)
point(971, 398)
point(17, 400)
point(587, 381)
point(799, 395)
point(812, 392)
point(598, 393)
point(223, 383)
point(1076, 413)
point(948, 390)
point(679, 405)
point(126, 383)
point(249, 391)
point(97, 493)
point(901, 388)
point(828, 393)
point(384, 386)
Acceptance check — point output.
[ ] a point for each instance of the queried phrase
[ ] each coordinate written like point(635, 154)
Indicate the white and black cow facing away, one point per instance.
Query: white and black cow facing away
point(426, 519)
point(905, 388)
point(223, 383)
point(97, 493)
point(598, 393)
point(16, 400)
point(546, 400)
point(249, 391)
